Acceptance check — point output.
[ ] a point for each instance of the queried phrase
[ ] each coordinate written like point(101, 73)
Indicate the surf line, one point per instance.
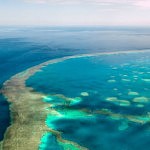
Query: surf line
point(28, 111)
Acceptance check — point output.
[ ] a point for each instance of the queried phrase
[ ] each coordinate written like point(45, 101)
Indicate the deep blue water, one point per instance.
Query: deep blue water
point(100, 77)
point(23, 47)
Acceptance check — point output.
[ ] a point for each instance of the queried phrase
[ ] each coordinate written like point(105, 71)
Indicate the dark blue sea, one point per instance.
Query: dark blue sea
point(23, 47)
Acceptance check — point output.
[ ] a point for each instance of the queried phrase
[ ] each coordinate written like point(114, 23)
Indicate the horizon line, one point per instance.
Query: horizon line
point(73, 25)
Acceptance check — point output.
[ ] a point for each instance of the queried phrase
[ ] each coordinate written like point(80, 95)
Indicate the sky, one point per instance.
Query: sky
point(75, 12)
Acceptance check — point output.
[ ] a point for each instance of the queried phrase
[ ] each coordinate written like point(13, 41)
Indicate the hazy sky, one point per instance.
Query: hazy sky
point(75, 12)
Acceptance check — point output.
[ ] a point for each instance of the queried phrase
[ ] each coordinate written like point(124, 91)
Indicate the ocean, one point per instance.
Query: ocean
point(88, 80)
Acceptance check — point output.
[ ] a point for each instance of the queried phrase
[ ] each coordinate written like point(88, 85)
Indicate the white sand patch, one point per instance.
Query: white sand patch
point(84, 94)
point(111, 98)
point(47, 98)
point(126, 80)
point(146, 80)
point(75, 100)
point(141, 99)
point(117, 101)
point(140, 105)
point(114, 68)
point(141, 72)
point(115, 89)
point(125, 75)
point(133, 93)
point(111, 81)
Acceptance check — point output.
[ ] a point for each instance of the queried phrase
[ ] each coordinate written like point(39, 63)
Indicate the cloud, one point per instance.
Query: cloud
point(36, 1)
point(132, 3)
point(77, 1)
point(143, 3)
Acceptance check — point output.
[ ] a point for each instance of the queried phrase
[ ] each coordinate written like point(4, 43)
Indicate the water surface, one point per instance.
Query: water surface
point(100, 99)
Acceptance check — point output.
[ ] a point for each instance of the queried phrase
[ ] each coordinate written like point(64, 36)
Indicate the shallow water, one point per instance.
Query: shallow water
point(100, 99)
point(23, 47)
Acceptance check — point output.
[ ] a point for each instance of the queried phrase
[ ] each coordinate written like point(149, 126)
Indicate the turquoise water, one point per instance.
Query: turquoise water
point(103, 102)
point(24, 47)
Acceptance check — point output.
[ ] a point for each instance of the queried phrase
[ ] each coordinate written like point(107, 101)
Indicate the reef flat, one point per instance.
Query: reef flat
point(28, 115)
point(1, 145)
point(28, 111)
